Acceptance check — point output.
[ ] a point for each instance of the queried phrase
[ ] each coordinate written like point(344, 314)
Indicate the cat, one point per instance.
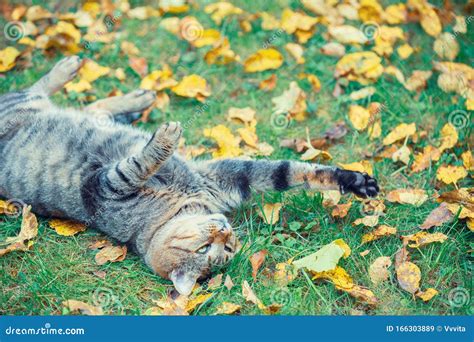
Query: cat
point(132, 185)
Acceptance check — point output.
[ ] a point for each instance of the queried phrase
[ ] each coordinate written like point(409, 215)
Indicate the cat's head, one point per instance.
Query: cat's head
point(186, 248)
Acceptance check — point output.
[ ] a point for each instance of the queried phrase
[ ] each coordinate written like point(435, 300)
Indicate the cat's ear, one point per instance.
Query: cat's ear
point(183, 281)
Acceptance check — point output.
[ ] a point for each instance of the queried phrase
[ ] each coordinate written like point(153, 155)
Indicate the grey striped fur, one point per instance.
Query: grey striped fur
point(131, 185)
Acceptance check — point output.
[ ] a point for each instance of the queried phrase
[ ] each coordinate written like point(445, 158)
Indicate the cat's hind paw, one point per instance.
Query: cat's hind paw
point(358, 183)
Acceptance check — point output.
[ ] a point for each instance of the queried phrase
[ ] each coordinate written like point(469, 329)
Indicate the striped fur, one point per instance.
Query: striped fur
point(130, 184)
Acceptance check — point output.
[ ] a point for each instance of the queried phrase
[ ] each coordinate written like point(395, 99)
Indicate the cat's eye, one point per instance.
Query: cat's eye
point(228, 249)
point(204, 249)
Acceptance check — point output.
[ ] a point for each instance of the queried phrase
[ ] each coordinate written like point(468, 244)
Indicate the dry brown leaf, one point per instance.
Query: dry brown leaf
point(215, 282)
point(437, 217)
point(341, 210)
point(270, 213)
point(380, 231)
point(421, 239)
point(111, 253)
point(28, 231)
point(228, 282)
point(423, 160)
point(409, 276)
point(256, 260)
point(139, 65)
point(268, 84)
point(378, 270)
point(368, 221)
point(414, 197)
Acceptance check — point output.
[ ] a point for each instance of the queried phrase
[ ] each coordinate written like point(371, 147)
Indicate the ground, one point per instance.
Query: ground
point(58, 268)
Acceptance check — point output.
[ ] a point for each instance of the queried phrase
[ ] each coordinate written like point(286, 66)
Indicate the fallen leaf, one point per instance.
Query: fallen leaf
point(437, 217)
point(215, 282)
point(268, 84)
point(405, 51)
point(296, 51)
point(402, 154)
point(139, 65)
point(449, 137)
point(427, 294)
point(378, 270)
point(256, 260)
point(364, 67)
point(292, 102)
point(325, 259)
point(159, 80)
point(423, 160)
point(110, 253)
point(341, 210)
point(264, 59)
point(292, 21)
point(226, 308)
point(347, 34)
point(193, 303)
point(359, 117)
point(228, 282)
point(221, 10)
point(8, 57)
point(468, 160)
point(285, 273)
point(228, 144)
point(270, 213)
point(67, 227)
point(380, 231)
point(83, 308)
point(421, 239)
point(28, 231)
point(363, 166)
point(414, 197)
point(409, 276)
point(241, 115)
point(193, 86)
point(91, 71)
point(450, 174)
point(400, 132)
point(446, 46)
point(368, 221)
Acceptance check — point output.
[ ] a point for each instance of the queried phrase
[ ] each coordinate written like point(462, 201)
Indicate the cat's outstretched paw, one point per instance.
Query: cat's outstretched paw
point(66, 69)
point(360, 184)
point(137, 101)
point(171, 132)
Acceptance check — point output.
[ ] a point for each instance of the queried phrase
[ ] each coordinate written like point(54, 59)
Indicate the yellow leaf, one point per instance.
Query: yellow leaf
point(249, 136)
point(292, 21)
point(421, 239)
point(221, 54)
point(65, 29)
point(220, 10)
point(364, 67)
point(417, 80)
point(409, 276)
point(66, 227)
point(226, 308)
point(292, 102)
point(271, 213)
point(470, 224)
point(402, 154)
point(346, 34)
point(378, 270)
point(193, 86)
point(450, 174)
point(345, 247)
point(424, 159)
point(427, 294)
point(370, 11)
point(446, 46)
point(468, 160)
point(430, 21)
point(7, 58)
point(90, 71)
point(207, 37)
point(362, 166)
point(379, 232)
point(263, 59)
point(78, 87)
point(228, 144)
point(193, 303)
point(362, 93)
point(359, 117)
point(414, 197)
point(395, 14)
point(449, 137)
point(342, 281)
point(405, 51)
point(385, 38)
point(326, 258)
point(296, 51)
point(400, 132)
point(159, 80)
point(269, 22)
point(241, 115)
point(369, 221)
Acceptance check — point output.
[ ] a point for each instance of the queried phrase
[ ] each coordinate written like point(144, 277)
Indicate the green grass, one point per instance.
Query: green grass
point(59, 268)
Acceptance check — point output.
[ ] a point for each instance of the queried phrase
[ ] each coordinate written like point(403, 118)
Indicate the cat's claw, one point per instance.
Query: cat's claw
point(358, 183)
point(171, 131)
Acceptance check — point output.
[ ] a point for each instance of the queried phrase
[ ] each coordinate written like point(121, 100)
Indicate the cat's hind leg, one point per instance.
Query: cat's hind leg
point(136, 101)
point(63, 72)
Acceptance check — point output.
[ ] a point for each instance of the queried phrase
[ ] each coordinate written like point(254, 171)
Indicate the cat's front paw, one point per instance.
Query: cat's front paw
point(171, 132)
point(360, 184)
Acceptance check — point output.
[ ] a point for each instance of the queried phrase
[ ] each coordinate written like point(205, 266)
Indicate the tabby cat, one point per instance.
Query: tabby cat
point(131, 185)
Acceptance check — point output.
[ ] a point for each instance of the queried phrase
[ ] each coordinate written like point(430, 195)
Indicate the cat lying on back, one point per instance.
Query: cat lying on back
point(130, 184)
